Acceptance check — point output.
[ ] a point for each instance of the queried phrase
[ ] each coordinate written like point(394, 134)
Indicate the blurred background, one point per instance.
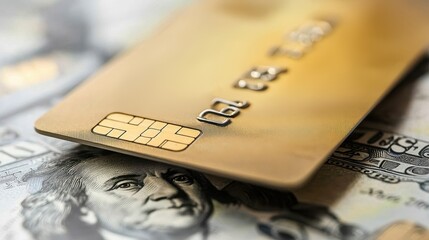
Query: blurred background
point(50, 46)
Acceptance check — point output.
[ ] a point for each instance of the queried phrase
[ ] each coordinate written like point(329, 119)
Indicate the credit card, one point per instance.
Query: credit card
point(255, 90)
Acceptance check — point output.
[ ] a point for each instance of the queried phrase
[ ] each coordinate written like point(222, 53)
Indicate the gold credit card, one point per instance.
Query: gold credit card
point(255, 90)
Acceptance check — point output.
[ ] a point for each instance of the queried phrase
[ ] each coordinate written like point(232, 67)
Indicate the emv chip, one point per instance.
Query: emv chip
point(146, 131)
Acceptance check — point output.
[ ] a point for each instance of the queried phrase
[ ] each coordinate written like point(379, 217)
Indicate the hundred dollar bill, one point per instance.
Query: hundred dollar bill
point(370, 185)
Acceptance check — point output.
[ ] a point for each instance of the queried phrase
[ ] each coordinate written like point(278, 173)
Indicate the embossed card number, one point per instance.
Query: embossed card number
point(230, 111)
point(257, 77)
point(299, 41)
point(295, 45)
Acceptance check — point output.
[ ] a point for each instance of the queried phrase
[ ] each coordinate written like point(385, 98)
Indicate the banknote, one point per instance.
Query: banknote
point(52, 189)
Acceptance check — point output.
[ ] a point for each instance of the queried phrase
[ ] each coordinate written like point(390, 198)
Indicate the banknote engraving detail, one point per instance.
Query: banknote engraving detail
point(146, 131)
point(388, 157)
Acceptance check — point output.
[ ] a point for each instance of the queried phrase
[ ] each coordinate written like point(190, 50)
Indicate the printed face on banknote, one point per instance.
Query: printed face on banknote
point(141, 197)
point(119, 194)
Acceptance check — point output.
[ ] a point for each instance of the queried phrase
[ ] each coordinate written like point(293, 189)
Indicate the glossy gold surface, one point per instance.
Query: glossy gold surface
point(292, 125)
